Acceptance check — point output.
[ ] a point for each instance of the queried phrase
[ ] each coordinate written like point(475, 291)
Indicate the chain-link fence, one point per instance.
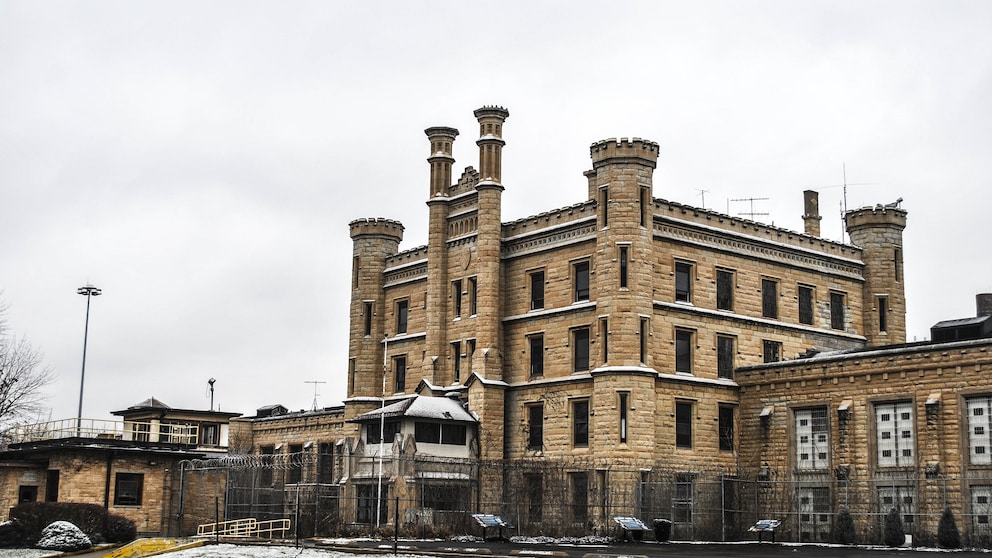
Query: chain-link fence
point(432, 497)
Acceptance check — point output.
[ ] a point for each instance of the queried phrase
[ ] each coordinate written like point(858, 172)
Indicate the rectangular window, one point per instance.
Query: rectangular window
point(456, 295)
point(902, 498)
point(623, 266)
point(772, 350)
point(683, 351)
point(367, 496)
point(473, 296)
point(604, 340)
point(537, 290)
point(295, 473)
point(897, 261)
point(536, 343)
point(682, 499)
point(580, 423)
point(814, 513)
point(399, 373)
point(402, 314)
point(623, 404)
point(895, 434)
point(456, 360)
point(580, 349)
point(453, 434)
point(351, 376)
point(355, 267)
point(389, 429)
point(683, 424)
point(812, 439)
point(427, 432)
point(534, 490)
point(981, 510)
point(805, 305)
point(128, 488)
point(604, 206)
point(980, 430)
point(883, 314)
point(469, 353)
point(266, 453)
point(837, 310)
point(367, 315)
point(535, 426)
point(325, 463)
point(52, 486)
point(645, 333)
point(645, 206)
point(683, 282)
point(579, 496)
point(726, 428)
point(724, 289)
point(725, 350)
point(769, 298)
point(580, 274)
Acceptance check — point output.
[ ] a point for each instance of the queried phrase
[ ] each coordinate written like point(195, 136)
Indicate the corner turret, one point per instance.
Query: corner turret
point(878, 232)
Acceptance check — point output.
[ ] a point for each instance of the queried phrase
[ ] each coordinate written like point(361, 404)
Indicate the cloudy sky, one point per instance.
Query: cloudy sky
point(200, 161)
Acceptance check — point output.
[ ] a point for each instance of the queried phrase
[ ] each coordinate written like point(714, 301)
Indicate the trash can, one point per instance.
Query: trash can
point(662, 530)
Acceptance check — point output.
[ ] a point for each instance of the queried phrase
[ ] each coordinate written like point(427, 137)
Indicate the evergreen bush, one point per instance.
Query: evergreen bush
point(120, 529)
point(894, 534)
point(947, 530)
point(844, 527)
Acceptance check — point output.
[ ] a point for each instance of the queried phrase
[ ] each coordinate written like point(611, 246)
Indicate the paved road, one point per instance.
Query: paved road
point(649, 549)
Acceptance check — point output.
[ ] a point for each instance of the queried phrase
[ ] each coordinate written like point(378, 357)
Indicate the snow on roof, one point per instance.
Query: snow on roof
point(421, 406)
point(150, 402)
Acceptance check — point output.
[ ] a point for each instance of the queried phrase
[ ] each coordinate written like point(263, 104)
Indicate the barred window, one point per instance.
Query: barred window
point(894, 429)
point(812, 438)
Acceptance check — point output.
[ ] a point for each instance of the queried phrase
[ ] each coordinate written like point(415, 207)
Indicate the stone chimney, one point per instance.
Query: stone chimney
point(984, 303)
point(811, 217)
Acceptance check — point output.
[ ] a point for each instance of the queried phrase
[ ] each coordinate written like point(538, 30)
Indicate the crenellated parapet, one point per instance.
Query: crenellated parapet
point(635, 149)
point(890, 215)
point(387, 229)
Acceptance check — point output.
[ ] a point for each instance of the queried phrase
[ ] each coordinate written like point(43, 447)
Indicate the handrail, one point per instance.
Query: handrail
point(142, 431)
point(249, 527)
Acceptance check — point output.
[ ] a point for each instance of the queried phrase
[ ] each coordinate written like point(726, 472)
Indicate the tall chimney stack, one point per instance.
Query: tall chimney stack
point(811, 217)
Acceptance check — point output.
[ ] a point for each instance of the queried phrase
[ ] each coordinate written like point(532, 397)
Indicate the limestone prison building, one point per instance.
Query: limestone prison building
point(629, 355)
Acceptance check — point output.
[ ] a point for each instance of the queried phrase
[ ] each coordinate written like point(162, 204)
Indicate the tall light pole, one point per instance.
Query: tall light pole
point(382, 426)
point(88, 291)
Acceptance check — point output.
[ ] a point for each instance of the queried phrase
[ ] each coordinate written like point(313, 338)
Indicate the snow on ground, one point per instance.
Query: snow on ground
point(26, 553)
point(235, 551)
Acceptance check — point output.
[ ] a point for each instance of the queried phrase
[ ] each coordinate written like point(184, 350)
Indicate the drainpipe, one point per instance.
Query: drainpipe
point(106, 483)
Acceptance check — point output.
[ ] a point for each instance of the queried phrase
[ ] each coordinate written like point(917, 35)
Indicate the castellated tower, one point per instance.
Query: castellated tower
point(486, 361)
point(441, 140)
point(374, 240)
point(622, 284)
point(878, 232)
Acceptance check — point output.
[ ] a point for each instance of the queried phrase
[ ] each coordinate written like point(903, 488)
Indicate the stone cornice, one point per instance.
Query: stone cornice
point(547, 312)
point(772, 324)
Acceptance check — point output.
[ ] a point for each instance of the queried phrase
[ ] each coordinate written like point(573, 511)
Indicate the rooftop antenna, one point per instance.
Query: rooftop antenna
point(211, 382)
point(843, 201)
point(752, 213)
point(702, 196)
point(316, 384)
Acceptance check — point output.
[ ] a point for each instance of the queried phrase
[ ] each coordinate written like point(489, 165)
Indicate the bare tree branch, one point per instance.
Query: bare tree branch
point(23, 377)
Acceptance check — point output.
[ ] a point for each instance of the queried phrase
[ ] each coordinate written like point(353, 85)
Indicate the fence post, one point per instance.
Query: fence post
point(396, 522)
point(216, 520)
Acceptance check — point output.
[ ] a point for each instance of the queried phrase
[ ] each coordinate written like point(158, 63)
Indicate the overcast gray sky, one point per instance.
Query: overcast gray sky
point(200, 161)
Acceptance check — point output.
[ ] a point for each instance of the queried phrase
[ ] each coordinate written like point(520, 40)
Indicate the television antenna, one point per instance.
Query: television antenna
point(843, 202)
point(316, 384)
point(702, 196)
point(749, 214)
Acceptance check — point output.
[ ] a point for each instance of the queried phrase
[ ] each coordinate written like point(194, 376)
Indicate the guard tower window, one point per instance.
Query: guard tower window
point(624, 250)
point(456, 295)
point(367, 314)
point(883, 313)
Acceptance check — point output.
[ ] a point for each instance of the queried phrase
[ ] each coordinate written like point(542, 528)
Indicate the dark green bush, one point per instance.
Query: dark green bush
point(35, 516)
point(120, 529)
point(947, 530)
point(894, 534)
point(844, 532)
point(13, 535)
